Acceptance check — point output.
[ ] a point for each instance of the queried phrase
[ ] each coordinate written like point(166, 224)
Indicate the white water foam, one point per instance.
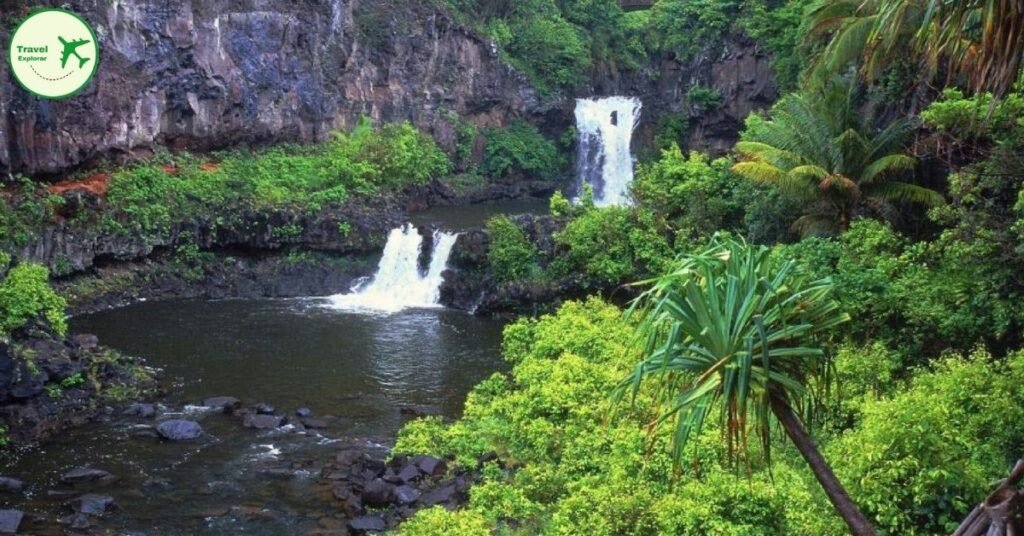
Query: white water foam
point(604, 160)
point(398, 283)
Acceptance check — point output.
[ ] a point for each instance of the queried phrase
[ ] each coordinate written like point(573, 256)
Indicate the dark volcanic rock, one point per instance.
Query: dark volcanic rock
point(28, 384)
point(10, 520)
point(263, 422)
point(145, 411)
point(367, 524)
point(86, 474)
point(409, 473)
point(10, 485)
point(226, 403)
point(179, 430)
point(7, 367)
point(430, 465)
point(439, 496)
point(265, 409)
point(94, 505)
point(405, 495)
point(188, 77)
point(86, 341)
point(378, 494)
point(316, 422)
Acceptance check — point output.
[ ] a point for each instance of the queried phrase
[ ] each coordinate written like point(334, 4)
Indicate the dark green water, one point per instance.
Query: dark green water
point(358, 369)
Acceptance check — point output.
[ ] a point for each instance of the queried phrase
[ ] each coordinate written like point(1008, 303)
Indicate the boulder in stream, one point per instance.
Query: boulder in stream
point(179, 430)
point(145, 411)
point(10, 485)
point(227, 404)
point(93, 504)
point(263, 422)
point(87, 474)
point(10, 520)
point(367, 524)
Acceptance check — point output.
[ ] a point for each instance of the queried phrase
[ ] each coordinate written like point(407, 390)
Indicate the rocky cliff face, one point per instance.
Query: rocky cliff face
point(204, 74)
point(736, 70)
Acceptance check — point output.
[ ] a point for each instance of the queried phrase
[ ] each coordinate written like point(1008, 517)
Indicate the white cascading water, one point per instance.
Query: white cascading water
point(605, 162)
point(398, 283)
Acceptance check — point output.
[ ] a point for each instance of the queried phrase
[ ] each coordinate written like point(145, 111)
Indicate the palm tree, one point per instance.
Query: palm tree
point(819, 148)
point(727, 332)
point(980, 39)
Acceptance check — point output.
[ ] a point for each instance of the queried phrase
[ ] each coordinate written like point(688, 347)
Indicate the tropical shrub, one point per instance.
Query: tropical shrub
point(520, 149)
point(25, 295)
point(608, 246)
point(511, 256)
point(922, 458)
point(819, 148)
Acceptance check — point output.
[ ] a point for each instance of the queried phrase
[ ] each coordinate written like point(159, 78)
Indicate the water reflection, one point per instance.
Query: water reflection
point(360, 370)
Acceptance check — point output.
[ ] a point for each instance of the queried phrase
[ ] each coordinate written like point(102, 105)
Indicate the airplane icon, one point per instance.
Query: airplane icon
point(69, 50)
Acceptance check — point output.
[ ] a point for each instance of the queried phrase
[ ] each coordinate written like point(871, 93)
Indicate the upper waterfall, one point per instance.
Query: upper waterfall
point(399, 283)
point(604, 161)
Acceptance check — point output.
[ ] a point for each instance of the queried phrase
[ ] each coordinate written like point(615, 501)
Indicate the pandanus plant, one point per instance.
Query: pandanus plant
point(730, 333)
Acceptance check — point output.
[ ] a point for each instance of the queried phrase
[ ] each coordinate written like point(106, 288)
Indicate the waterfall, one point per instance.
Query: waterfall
point(399, 283)
point(604, 162)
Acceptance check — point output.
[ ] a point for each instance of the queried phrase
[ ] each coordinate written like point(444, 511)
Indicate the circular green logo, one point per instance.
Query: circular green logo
point(53, 54)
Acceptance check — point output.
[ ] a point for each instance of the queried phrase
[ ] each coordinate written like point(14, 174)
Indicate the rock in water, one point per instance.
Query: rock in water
point(367, 524)
point(228, 404)
point(304, 412)
point(10, 520)
point(94, 505)
point(145, 411)
point(85, 474)
point(263, 422)
point(265, 409)
point(11, 485)
point(178, 430)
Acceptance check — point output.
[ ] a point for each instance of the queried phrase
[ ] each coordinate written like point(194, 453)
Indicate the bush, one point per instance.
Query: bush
point(610, 246)
point(520, 149)
point(511, 256)
point(149, 198)
point(921, 459)
point(437, 520)
point(571, 461)
point(26, 295)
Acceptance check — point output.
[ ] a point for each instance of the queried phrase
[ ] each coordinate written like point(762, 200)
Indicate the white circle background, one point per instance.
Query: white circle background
point(47, 78)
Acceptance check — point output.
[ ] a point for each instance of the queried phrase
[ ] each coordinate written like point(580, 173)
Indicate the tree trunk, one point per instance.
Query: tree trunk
point(859, 525)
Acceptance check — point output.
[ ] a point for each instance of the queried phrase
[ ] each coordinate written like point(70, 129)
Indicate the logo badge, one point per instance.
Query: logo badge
point(54, 54)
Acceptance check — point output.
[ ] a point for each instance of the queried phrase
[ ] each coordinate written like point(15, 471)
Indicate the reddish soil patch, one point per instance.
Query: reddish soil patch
point(170, 170)
point(210, 166)
point(97, 183)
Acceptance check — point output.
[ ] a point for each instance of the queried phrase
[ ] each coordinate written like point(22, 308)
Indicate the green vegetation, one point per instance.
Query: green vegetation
point(820, 148)
point(728, 331)
point(559, 44)
point(149, 198)
point(511, 256)
point(25, 295)
point(520, 150)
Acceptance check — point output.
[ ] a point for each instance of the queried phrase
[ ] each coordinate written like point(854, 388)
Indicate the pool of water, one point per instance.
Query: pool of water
point(462, 217)
point(357, 370)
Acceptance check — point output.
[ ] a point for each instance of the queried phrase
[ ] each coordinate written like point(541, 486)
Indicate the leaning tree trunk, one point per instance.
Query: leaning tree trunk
point(859, 525)
point(1002, 513)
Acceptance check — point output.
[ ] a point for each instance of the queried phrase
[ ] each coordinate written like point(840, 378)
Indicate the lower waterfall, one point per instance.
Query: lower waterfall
point(399, 282)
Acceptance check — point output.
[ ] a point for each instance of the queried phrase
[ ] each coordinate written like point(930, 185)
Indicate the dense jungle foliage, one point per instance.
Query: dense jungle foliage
point(878, 208)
